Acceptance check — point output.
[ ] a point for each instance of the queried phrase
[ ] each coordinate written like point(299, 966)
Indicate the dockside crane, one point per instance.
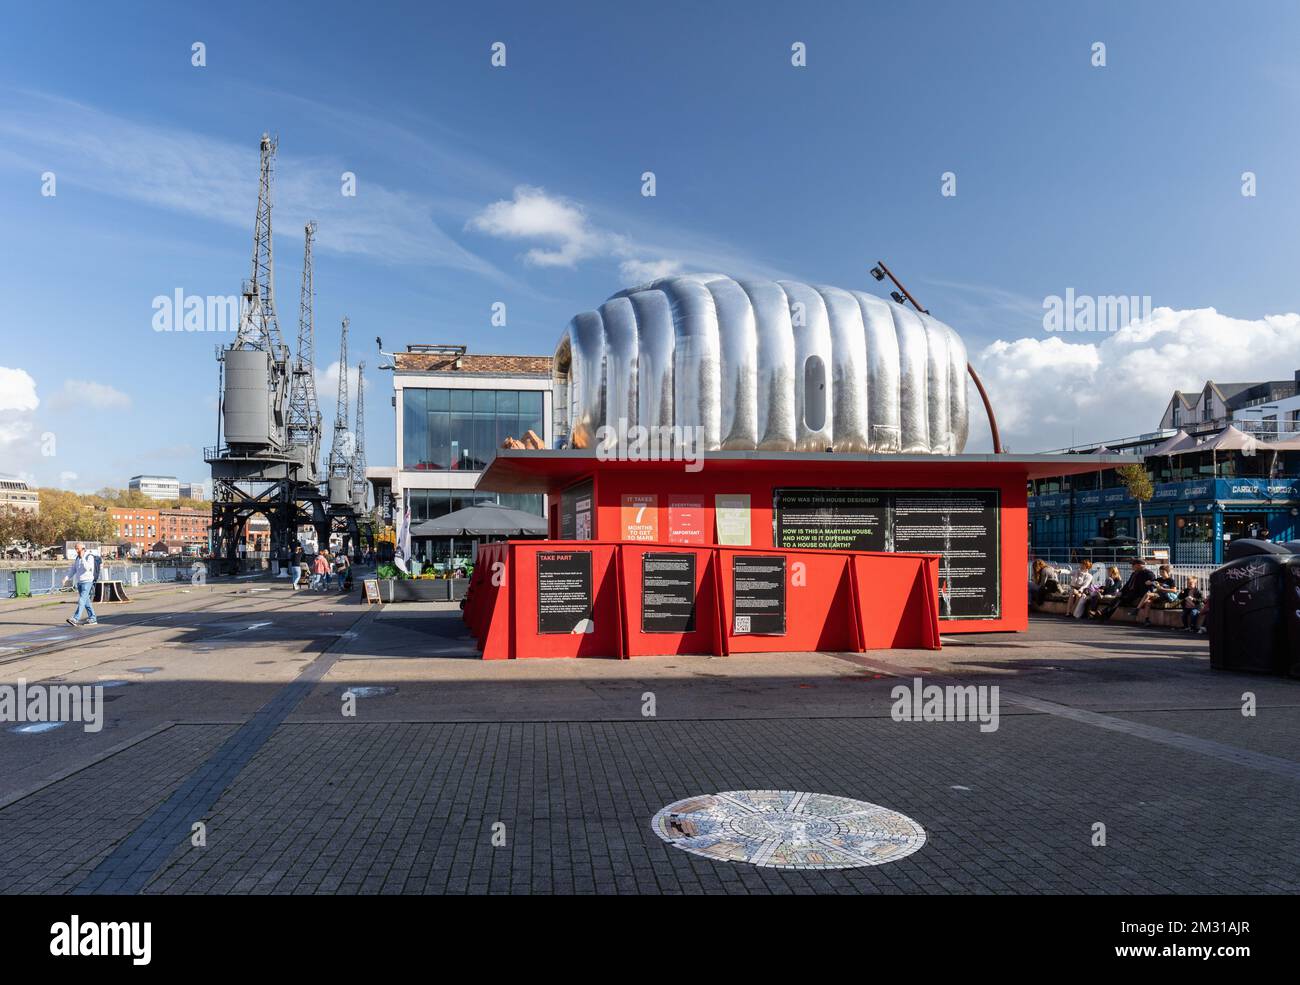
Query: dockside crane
point(255, 467)
point(360, 487)
point(304, 412)
point(339, 482)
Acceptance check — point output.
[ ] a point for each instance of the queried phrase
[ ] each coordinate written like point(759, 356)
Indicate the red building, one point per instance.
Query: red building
point(136, 526)
point(838, 515)
point(180, 528)
point(144, 528)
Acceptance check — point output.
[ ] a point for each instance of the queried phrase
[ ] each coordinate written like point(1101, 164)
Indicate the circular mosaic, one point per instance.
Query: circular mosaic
point(788, 829)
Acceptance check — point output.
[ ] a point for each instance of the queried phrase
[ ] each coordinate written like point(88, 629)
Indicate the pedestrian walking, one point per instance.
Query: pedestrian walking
point(344, 568)
point(320, 571)
point(81, 575)
point(296, 561)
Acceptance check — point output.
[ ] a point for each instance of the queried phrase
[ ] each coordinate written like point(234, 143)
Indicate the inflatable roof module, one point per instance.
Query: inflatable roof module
point(756, 364)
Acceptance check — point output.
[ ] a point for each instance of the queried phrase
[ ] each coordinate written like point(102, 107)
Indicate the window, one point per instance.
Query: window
point(429, 504)
point(462, 429)
point(415, 433)
point(1157, 530)
point(814, 393)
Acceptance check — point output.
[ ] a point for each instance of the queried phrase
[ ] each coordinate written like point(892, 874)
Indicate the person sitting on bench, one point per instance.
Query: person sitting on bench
point(1045, 583)
point(1081, 586)
point(1193, 600)
point(1105, 592)
point(1163, 595)
point(1134, 590)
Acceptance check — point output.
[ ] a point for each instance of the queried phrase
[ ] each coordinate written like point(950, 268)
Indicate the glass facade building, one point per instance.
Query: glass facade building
point(454, 410)
point(461, 429)
point(429, 504)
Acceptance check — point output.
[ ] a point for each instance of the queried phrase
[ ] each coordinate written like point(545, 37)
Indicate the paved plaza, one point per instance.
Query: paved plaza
point(227, 713)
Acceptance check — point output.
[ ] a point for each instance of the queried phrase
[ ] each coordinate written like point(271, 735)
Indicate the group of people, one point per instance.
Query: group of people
point(319, 572)
point(1093, 593)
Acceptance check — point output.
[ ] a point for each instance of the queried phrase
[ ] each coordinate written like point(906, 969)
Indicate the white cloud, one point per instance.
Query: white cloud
point(17, 390)
point(79, 394)
point(533, 214)
point(644, 271)
point(569, 236)
point(18, 403)
point(1063, 389)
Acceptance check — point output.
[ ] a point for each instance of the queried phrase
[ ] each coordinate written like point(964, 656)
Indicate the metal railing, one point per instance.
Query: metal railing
point(47, 580)
point(1180, 572)
point(1199, 552)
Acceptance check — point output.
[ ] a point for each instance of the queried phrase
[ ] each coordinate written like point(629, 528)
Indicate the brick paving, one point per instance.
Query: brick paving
point(404, 797)
point(51, 840)
point(409, 808)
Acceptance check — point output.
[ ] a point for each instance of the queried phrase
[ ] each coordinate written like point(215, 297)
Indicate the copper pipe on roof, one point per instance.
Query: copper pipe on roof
point(880, 272)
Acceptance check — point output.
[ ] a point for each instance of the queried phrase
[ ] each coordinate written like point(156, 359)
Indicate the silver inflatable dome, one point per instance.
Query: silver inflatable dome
point(764, 365)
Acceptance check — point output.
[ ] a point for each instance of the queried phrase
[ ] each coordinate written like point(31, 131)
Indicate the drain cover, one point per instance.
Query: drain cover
point(788, 829)
point(144, 670)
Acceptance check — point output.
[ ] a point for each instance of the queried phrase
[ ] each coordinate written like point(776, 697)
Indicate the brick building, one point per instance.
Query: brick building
point(144, 528)
point(180, 528)
point(136, 526)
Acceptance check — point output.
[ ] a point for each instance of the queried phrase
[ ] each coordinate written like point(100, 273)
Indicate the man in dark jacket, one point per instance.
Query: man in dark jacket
point(1134, 590)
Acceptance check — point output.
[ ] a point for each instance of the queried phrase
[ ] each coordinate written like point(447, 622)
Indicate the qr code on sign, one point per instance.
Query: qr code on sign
point(742, 624)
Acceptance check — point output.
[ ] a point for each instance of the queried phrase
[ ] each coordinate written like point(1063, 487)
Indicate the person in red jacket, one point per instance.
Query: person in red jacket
point(320, 570)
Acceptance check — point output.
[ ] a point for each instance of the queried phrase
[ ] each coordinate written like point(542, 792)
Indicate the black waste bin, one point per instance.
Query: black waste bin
point(1248, 603)
point(1291, 615)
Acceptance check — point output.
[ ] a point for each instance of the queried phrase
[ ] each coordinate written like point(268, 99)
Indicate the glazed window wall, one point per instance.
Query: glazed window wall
point(1157, 529)
point(429, 504)
point(462, 429)
point(1195, 529)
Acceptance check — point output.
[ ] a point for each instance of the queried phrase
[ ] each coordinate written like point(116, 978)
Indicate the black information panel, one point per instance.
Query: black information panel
point(575, 511)
point(758, 588)
point(668, 593)
point(564, 600)
point(960, 525)
point(833, 519)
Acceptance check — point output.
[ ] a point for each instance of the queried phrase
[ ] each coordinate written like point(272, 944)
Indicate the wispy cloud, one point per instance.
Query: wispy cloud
point(178, 170)
point(565, 233)
point(983, 309)
point(84, 394)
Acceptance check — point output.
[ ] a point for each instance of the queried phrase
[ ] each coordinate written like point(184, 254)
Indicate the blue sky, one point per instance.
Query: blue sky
point(522, 184)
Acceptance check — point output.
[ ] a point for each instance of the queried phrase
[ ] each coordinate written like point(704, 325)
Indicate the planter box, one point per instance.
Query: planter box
point(415, 590)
